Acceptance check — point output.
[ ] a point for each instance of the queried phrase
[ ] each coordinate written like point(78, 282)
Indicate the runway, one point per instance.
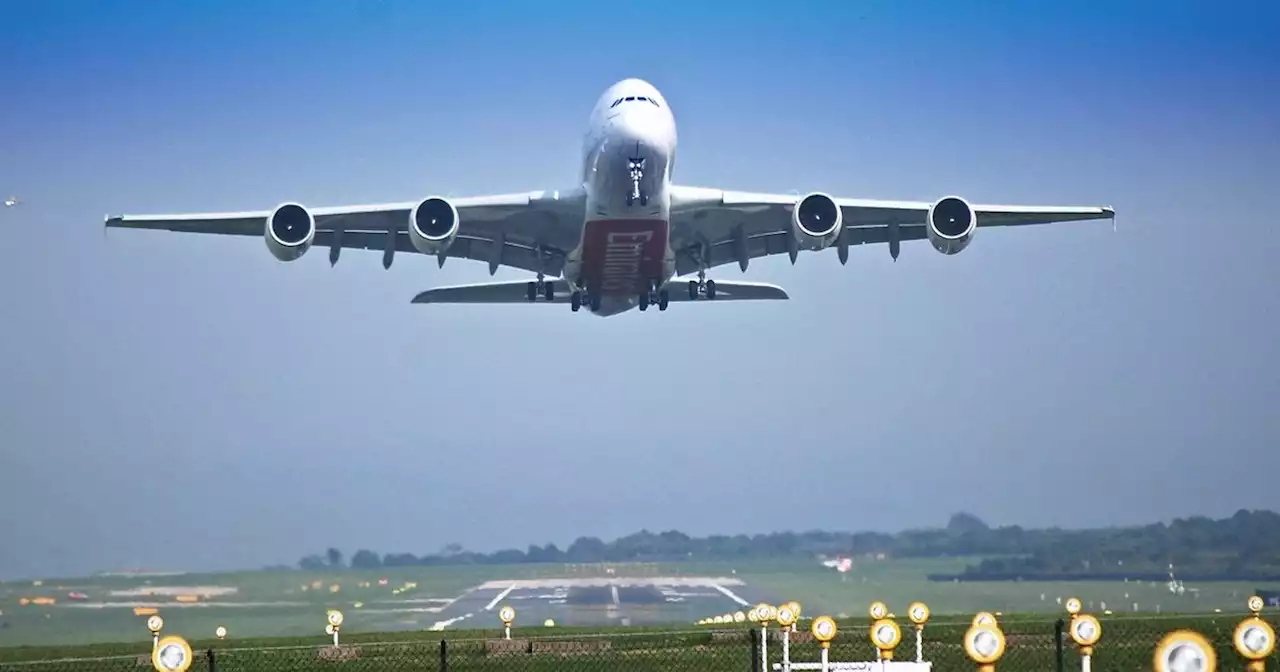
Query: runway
point(601, 601)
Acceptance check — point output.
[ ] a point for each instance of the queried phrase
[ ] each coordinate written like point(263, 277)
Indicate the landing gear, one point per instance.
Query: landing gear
point(654, 295)
point(540, 287)
point(702, 286)
point(581, 297)
point(635, 165)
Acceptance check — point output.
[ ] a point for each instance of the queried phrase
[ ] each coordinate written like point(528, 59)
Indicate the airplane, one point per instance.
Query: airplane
point(625, 236)
point(11, 201)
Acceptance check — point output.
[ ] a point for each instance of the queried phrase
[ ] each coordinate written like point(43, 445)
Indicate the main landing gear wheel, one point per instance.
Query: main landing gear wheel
point(707, 287)
point(653, 295)
point(540, 286)
point(580, 298)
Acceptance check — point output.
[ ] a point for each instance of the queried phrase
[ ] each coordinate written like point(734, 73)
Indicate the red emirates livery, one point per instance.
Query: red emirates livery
point(625, 236)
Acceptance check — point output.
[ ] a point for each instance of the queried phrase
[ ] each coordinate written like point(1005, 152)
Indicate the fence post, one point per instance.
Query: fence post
point(1058, 627)
point(756, 665)
point(444, 656)
point(213, 662)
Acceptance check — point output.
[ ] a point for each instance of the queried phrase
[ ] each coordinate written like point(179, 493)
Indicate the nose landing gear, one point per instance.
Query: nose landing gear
point(635, 166)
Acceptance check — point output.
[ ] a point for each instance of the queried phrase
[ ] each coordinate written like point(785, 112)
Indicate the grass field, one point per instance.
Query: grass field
point(292, 604)
point(1128, 644)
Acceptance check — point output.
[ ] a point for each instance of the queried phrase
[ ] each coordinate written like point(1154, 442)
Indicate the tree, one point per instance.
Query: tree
point(587, 549)
point(365, 559)
point(400, 560)
point(1245, 546)
point(962, 522)
point(311, 563)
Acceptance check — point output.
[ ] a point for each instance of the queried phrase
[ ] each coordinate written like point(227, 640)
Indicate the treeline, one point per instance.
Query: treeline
point(1243, 546)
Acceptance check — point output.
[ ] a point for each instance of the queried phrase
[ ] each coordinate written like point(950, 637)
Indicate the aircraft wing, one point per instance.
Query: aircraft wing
point(516, 291)
point(502, 230)
point(736, 226)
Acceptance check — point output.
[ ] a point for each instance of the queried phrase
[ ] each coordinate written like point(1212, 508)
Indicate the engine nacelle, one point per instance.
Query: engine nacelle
point(950, 224)
point(816, 221)
point(433, 224)
point(290, 230)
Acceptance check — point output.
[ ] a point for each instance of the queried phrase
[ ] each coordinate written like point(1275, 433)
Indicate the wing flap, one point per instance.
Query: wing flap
point(514, 254)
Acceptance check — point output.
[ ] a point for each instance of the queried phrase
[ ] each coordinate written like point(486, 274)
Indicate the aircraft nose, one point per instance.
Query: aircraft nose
point(642, 127)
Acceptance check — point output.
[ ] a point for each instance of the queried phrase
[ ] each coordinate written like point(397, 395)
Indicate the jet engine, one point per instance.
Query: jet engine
point(816, 221)
point(950, 224)
point(433, 224)
point(290, 230)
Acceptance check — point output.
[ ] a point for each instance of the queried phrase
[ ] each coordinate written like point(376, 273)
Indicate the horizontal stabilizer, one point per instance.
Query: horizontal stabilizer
point(510, 291)
point(517, 291)
point(728, 290)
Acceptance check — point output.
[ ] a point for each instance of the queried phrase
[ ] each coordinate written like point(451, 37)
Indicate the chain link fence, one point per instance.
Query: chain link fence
point(1032, 645)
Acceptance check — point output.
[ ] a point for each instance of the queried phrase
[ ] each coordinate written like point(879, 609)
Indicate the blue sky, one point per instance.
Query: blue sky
point(1064, 375)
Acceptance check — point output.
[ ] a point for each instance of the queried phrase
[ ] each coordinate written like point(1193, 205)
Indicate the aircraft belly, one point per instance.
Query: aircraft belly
point(625, 242)
point(621, 256)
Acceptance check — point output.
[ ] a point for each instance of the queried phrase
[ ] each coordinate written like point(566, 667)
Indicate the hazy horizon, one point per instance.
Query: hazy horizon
point(174, 400)
point(562, 545)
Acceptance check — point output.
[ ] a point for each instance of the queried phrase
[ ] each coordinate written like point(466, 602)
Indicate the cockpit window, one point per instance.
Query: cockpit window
point(629, 99)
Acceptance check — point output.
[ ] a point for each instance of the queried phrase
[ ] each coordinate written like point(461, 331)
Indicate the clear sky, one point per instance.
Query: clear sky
point(189, 402)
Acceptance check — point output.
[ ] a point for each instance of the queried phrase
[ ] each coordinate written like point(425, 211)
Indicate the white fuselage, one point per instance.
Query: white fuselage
point(625, 249)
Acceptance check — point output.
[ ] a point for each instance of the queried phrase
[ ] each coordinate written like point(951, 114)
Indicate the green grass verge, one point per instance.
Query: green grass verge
point(1128, 643)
